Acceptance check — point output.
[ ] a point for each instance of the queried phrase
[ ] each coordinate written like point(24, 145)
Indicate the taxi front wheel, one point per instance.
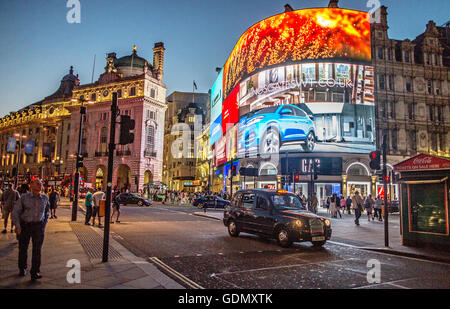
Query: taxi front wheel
point(283, 238)
point(233, 229)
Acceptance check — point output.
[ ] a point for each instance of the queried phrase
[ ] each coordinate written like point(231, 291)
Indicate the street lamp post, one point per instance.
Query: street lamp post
point(20, 136)
point(77, 168)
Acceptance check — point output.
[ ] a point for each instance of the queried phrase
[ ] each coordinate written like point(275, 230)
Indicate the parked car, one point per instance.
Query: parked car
point(275, 214)
point(267, 129)
point(133, 198)
point(210, 201)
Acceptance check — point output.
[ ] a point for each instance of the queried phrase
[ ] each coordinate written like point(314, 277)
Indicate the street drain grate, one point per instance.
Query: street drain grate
point(92, 242)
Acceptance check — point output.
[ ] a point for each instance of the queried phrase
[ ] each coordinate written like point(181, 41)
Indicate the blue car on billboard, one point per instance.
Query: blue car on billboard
point(266, 130)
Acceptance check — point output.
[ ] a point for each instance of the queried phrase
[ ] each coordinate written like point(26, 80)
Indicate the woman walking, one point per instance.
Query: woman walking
point(368, 204)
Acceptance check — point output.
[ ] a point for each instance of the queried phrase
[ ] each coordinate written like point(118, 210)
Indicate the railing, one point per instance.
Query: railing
point(121, 153)
point(149, 153)
point(101, 153)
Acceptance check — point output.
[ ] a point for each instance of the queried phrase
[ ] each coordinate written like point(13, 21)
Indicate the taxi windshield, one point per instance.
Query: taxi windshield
point(287, 201)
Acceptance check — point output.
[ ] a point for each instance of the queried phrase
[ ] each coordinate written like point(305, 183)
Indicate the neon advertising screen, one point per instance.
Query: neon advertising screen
point(216, 109)
point(301, 81)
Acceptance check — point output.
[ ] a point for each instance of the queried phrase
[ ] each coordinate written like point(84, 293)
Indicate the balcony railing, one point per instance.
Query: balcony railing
point(149, 153)
point(101, 153)
point(121, 153)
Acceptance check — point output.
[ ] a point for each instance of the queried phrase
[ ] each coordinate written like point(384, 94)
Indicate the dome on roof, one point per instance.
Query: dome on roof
point(138, 62)
point(70, 76)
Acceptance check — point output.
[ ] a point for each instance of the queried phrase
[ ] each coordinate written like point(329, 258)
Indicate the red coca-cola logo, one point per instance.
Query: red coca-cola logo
point(421, 161)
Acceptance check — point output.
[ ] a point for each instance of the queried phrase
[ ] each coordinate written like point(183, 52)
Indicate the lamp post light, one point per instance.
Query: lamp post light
point(83, 110)
point(20, 136)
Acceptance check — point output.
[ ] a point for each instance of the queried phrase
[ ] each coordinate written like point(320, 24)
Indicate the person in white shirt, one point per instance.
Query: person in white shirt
point(97, 197)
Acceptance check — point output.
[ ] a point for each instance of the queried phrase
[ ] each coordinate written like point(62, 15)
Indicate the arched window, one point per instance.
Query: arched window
point(150, 139)
point(103, 139)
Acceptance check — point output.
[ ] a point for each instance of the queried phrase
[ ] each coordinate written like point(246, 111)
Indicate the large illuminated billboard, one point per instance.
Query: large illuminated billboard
point(303, 82)
point(216, 109)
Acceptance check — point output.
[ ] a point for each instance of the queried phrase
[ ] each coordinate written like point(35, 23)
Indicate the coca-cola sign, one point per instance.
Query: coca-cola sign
point(423, 162)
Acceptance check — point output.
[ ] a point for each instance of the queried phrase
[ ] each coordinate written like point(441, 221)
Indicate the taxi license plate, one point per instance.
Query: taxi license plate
point(321, 238)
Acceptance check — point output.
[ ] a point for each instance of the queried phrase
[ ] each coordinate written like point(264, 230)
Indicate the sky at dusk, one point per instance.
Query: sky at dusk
point(38, 45)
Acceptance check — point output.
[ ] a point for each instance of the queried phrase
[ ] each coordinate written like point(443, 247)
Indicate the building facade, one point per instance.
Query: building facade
point(53, 125)
point(42, 129)
point(185, 118)
point(412, 91)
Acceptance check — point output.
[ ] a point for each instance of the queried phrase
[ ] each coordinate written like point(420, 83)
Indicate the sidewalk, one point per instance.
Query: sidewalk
point(367, 236)
point(66, 240)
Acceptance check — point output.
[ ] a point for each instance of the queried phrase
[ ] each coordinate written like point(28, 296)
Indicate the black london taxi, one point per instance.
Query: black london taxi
point(275, 214)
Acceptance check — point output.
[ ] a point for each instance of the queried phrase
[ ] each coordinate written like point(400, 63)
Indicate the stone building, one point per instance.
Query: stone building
point(46, 124)
point(185, 117)
point(53, 125)
point(412, 91)
point(141, 95)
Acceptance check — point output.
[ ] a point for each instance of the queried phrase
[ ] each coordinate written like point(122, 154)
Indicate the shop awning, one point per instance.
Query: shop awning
point(325, 108)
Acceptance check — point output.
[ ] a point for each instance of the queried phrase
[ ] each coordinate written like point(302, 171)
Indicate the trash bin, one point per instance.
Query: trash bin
point(101, 211)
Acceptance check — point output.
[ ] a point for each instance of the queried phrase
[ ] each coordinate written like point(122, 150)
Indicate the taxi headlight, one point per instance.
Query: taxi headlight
point(298, 223)
point(327, 222)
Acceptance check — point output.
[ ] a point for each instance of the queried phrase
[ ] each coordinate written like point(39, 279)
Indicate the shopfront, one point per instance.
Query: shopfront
point(425, 193)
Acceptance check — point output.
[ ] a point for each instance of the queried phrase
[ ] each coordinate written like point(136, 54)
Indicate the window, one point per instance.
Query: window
point(434, 141)
point(248, 200)
point(412, 140)
point(442, 142)
point(391, 82)
point(411, 111)
point(94, 97)
point(389, 53)
point(152, 93)
point(409, 86)
point(133, 91)
point(431, 112)
point(430, 87)
point(262, 203)
point(393, 113)
point(382, 82)
point(407, 56)
point(150, 139)
point(440, 115)
point(428, 58)
point(236, 201)
point(394, 139)
point(119, 93)
point(380, 53)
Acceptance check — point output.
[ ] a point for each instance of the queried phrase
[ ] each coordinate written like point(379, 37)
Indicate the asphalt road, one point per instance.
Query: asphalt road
point(201, 250)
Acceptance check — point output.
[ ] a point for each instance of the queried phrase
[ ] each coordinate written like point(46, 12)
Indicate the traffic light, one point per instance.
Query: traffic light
point(126, 125)
point(375, 159)
point(80, 161)
point(290, 178)
point(233, 170)
point(283, 181)
point(297, 177)
point(388, 179)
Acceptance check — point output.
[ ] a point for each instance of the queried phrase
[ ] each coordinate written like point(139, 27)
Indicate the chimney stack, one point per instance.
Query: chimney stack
point(288, 8)
point(333, 4)
point(158, 60)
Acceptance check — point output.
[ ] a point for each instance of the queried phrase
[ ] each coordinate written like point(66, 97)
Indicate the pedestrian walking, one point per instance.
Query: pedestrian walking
point(368, 205)
point(357, 204)
point(54, 200)
point(88, 204)
point(116, 207)
point(378, 206)
point(96, 198)
point(348, 203)
point(342, 204)
point(30, 217)
point(9, 198)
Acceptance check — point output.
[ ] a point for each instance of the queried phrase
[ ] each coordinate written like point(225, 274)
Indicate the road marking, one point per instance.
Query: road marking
point(191, 284)
point(275, 267)
point(386, 253)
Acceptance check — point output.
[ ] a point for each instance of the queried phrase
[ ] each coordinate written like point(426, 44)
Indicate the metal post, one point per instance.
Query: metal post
point(16, 182)
point(77, 170)
point(386, 208)
point(112, 146)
